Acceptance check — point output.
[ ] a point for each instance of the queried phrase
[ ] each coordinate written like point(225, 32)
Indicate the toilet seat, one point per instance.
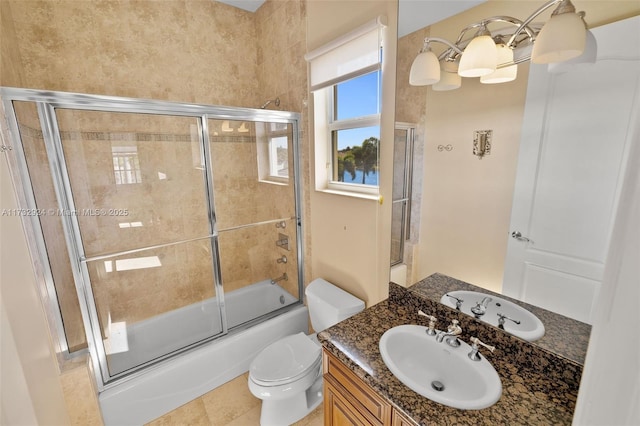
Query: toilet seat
point(286, 361)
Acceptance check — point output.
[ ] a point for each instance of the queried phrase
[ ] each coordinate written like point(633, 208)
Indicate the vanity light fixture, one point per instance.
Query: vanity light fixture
point(425, 69)
point(587, 58)
point(480, 57)
point(449, 77)
point(503, 74)
point(487, 55)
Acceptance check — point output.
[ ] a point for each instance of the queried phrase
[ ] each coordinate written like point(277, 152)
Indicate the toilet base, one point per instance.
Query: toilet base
point(284, 412)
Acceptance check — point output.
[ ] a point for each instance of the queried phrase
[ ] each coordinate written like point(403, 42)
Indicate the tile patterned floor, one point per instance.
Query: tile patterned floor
point(229, 405)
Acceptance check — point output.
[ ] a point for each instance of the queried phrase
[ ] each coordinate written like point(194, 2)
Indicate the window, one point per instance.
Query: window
point(354, 124)
point(273, 152)
point(126, 165)
point(278, 157)
point(345, 78)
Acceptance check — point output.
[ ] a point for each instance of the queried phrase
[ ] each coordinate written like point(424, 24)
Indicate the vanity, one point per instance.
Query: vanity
point(539, 383)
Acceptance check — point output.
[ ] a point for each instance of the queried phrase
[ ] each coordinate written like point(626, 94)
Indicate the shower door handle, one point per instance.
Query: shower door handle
point(518, 236)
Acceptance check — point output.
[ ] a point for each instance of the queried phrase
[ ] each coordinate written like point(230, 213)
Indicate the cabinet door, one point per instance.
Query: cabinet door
point(338, 411)
point(399, 420)
point(364, 399)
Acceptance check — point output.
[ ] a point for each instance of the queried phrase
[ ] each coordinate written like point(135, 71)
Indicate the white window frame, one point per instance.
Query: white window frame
point(130, 172)
point(346, 124)
point(323, 98)
point(267, 154)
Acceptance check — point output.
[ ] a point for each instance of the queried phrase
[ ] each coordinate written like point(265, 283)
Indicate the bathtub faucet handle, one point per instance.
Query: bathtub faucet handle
point(282, 259)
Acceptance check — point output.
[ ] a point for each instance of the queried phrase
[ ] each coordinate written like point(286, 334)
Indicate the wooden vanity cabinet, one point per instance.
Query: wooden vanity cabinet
point(348, 401)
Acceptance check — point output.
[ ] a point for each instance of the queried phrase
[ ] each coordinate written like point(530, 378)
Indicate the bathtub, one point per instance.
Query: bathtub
point(168, 385)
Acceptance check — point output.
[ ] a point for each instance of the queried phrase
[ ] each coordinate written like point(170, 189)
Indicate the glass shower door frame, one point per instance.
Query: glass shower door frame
point(47, 103)
point(405, 200)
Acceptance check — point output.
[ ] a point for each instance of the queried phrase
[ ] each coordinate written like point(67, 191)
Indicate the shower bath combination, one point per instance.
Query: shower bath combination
point(174, 259)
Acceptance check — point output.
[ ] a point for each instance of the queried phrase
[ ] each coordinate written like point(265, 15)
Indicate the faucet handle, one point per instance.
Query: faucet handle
point(429, 317)
point(458, 300)
point(474, 348)
point(502, 318)
point(431, 328)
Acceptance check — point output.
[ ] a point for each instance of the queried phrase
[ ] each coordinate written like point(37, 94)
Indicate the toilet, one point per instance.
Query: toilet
point(287, 374)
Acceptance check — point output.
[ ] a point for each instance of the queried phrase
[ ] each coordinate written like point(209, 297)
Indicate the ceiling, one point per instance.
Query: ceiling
point(250, 5)
point(412, 14)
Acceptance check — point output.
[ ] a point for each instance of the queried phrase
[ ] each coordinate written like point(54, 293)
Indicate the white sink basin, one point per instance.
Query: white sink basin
point(530, 327)
point(423, 365)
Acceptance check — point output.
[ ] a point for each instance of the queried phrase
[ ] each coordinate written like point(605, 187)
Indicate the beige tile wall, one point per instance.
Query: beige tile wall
point(197, 51)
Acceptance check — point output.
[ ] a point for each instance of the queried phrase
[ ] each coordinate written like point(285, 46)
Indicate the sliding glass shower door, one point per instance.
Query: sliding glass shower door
point(253, 179)
point(175, 224)
point(140, 196)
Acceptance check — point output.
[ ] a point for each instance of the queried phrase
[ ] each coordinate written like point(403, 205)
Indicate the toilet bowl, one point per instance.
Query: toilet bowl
point(287, 374)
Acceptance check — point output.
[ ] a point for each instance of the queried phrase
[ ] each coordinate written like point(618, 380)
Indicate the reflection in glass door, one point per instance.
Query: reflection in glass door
point(143, 234)
point(252, 165)
point(402, 177)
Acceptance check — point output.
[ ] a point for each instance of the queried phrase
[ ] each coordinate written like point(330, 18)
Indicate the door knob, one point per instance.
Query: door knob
point(518, 236)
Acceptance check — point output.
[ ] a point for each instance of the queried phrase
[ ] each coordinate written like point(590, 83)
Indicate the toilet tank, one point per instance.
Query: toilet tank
point(328, 304)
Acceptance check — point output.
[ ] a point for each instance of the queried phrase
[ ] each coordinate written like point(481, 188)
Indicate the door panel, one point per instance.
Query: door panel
point(573, 148)
point(129, 174)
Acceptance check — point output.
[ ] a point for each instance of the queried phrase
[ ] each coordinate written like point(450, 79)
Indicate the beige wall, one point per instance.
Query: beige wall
point(466, 201)
point(351, 236)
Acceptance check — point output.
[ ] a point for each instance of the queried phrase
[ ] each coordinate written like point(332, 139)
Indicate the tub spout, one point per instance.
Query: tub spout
point(284, 277)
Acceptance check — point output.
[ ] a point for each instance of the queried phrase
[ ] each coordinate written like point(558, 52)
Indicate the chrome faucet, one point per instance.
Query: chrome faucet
point(502, 318)
point(481, 307)
point(459, 301)
point(284, 277)
point(452, 333)
point(475, 346)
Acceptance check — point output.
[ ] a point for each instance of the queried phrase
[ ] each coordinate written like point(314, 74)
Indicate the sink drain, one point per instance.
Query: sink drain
point(436, 385)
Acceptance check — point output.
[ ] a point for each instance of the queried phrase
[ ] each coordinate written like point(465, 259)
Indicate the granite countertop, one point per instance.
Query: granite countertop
point(563, 336)
point(536, 388)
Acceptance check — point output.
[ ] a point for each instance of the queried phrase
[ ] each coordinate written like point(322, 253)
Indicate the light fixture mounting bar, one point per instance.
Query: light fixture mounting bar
point(428, 40)
point(567, 7)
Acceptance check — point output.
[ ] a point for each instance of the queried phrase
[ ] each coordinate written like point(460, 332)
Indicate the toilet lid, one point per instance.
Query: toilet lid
point(285, 359)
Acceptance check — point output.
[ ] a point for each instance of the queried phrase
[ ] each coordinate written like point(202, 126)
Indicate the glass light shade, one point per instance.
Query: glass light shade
point(425, 69)
point(562, 38)
point(479, 58)
point(449, 78)
point(505, 74)
point(588, 57)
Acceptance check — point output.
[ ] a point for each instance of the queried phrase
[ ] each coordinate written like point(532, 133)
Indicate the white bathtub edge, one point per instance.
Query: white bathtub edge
point(191, 375)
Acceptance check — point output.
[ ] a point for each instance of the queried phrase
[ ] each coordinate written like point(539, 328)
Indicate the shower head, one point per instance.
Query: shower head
point(275, 101)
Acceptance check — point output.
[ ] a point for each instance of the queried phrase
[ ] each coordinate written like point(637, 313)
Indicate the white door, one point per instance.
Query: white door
point(573, 148)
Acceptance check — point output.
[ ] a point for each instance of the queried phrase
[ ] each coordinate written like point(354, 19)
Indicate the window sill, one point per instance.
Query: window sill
point(373, 197)
point(283, 182)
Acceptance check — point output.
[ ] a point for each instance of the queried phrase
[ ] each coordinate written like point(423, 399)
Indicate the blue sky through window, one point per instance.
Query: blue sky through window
point(356, 98)
point(355, 137)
